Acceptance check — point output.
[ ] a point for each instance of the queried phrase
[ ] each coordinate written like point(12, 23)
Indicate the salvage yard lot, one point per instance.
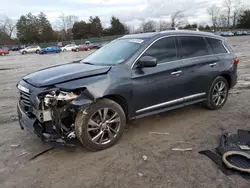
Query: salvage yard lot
point(122, 165)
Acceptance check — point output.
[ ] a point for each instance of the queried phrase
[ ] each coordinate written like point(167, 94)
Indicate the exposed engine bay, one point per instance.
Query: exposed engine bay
point(57, 117)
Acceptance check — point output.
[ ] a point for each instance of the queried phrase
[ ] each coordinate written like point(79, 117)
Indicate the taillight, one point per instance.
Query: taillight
point(236, 60)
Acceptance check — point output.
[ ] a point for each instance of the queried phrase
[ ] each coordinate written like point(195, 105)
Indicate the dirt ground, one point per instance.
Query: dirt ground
point(122, 166)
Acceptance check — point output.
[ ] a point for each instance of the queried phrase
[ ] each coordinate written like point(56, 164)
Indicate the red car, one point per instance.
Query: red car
point(4, 52)
point(83, 47)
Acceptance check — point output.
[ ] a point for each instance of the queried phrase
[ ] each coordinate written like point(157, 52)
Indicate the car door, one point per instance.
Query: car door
point(200, 65)
point(158, 87)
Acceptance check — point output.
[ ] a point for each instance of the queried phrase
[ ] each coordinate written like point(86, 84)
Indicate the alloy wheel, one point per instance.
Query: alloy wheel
point(219, 93)
point(103, 126)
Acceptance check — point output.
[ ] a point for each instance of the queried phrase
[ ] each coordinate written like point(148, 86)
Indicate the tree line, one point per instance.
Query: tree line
point(31, 28)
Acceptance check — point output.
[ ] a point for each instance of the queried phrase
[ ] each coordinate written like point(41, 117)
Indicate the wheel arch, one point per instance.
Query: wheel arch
point(228, 78)
point(121, 101)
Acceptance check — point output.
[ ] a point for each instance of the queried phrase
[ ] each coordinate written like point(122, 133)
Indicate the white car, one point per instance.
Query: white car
point(68, 47)
point(30, 49)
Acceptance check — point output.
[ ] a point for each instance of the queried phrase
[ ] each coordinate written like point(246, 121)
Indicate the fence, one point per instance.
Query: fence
point(80, 41)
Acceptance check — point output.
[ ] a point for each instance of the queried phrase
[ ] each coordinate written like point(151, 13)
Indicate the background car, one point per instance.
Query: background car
point(244, 33)
point(31, 49)
point(82, 47)
point(4, 52)
point(51, 49)
point(69, 47)
point(16, 48)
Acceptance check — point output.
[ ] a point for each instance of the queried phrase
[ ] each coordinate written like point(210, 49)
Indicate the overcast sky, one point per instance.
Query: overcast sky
point(129, 11)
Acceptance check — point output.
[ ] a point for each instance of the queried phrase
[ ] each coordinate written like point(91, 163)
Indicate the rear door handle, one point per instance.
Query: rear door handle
point(212, 64)
point(176, 72)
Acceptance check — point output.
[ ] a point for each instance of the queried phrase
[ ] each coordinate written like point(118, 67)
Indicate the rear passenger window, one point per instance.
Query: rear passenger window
point(216, 46)
point(192, 46)
point(164, 50)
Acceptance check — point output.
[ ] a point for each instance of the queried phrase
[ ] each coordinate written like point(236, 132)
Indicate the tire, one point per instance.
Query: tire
point(64, 50)
point(24, 52)
point(211, 102)
point(3, 54)
point(77, 50)
point(83, 119)
point(37, 51)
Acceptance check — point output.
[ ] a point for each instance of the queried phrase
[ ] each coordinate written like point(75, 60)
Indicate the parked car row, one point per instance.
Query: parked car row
point(232, 33)
point(51, 49)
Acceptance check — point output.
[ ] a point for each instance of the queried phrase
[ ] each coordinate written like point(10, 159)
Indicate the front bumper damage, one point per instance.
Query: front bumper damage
point(53, 122)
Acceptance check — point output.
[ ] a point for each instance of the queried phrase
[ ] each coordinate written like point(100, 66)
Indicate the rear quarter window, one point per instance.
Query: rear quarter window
point(193, 46)
point(216, 46)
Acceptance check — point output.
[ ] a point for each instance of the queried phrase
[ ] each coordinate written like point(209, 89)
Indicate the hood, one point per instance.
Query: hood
point(63, 73)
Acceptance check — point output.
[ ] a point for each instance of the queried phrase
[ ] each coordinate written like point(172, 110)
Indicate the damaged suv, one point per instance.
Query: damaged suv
point(131, 77)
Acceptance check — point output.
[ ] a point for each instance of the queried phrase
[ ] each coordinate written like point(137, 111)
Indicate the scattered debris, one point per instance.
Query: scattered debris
point(140, 174)
point(179, 149)
point(23, 153)
point(159, 133)
point(234, 92)
point(244, 147)
point(35, 156)
point(15, 145)
point(144, 157)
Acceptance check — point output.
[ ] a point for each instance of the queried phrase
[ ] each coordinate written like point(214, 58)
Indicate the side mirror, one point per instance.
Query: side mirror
point(147, 61)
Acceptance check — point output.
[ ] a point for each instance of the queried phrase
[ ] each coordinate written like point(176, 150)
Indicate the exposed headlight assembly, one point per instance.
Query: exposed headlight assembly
point(59, 96)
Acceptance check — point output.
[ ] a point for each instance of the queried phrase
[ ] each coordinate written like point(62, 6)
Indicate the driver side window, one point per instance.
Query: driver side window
point(164, 50)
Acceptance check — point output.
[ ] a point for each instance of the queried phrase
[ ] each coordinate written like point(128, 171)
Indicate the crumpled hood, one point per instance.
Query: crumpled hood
point(63, 73)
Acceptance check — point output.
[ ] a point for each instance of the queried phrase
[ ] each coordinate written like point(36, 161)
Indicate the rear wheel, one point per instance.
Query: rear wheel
point(218, 93)
point(37, 51)
point(2, 54)
point(101, 125)
point(24, 52)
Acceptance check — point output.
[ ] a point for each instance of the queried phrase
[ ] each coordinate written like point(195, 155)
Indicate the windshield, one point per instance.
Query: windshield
point(115, 52)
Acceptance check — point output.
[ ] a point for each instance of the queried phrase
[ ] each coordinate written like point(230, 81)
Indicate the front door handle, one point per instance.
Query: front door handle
point(176, 72)
point(212, 64)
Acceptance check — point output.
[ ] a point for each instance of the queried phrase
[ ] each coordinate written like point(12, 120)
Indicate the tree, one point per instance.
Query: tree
point(213, 12)
point(177, 19)
point(65, 24)
point(164, 25)
point(7, 26)
point(207, 27)
point(223, 22)
point(95, 26)
point(46, 32)
point(244, 20)
point(228, 4)
point(237, 10)
point(148, 26)
point(117, 28)
point(81, 29)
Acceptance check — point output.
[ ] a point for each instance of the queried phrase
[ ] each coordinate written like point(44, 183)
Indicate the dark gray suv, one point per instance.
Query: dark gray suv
point(131, 77)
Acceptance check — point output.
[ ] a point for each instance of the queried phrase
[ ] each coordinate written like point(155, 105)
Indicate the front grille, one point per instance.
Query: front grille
point(25, 100)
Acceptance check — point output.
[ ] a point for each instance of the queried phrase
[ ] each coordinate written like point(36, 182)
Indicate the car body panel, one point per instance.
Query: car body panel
point(61, 73)
point(30, 49)
point(68, 47)
point(3, 51)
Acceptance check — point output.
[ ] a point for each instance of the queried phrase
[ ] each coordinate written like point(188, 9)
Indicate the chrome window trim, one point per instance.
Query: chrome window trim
point(171, 102)
point(176, 35)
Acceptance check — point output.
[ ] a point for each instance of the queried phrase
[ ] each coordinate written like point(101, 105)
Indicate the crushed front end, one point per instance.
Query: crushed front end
point(48, 113)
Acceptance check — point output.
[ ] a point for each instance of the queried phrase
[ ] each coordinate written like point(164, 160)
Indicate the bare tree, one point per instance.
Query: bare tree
point(237, 10)
point(222, 20)
point(148, 26)
point(228, 4)
point(177, 19)
point(7, 26)
point(65, 22)
point(213, 12)
point(164, 25)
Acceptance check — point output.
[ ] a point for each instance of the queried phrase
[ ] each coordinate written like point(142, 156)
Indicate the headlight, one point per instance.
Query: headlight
point(59, 96)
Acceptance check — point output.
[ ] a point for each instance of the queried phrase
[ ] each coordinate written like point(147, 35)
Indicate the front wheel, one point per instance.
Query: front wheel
point(218, 93)
point(37, 51)
point(101, 125)
point(3, 54)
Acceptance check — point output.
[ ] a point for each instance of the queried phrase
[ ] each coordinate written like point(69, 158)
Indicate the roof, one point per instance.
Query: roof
point(171, 32)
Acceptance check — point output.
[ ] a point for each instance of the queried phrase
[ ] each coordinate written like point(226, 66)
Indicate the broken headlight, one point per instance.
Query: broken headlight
point(56, 96)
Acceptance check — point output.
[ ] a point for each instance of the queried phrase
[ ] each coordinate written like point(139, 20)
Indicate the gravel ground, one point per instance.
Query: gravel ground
point(122, 165)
